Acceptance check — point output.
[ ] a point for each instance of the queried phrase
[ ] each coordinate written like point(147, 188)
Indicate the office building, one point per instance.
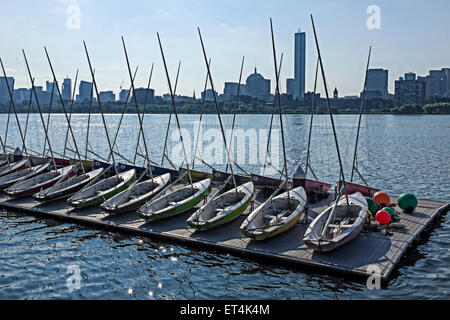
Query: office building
point(208, 95)
point(67, 89)
point(144, 96)
point(290, 87)
point(85, 92)
point(299, 65)
point(4, 93)
point(21, 95)
point(123, 95)
point(107, 96)
point(409, 90)
point(377, 84)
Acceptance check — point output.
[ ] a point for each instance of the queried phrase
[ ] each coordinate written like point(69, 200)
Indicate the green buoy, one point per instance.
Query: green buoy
point(390, 211)
point(407, 202)
point(372, 205)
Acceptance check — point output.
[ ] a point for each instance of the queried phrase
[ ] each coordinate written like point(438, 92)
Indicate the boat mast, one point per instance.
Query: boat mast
point(89, 122)
point(70, 113)
point(270, 127)
point(65, 111)
point(14, 108)
point(164, 155)
point(308, 165)
point(229, 160)
point(28, 112)
point(101, 108)
point(279, 108)
point(121, 119)
point(49, 114)
point(234, 116)
point(141, 125)
point(200, 121)
point(329, 111)
point(175, 110)
point(360, 117)
point(39, 109)
point(143, 112)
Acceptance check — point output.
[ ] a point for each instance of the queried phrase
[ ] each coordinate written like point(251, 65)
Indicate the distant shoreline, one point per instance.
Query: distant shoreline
point(227, 108)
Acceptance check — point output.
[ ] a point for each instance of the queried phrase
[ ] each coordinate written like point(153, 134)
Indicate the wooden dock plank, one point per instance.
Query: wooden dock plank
point(369, 248)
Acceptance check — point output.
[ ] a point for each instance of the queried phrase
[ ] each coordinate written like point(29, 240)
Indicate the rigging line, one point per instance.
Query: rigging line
point(143, 111)
point(311, 120)
point(235, 110)
point(65, 111)
point(70, 112)
point(89, 122)
point(14, 108)
point(360, 116)
point(165, 155)
point(277, 93)
point(329, 111)
point(175, 110)
point(101, 109)
point(122, 115)
point(217, 109)
point(268, 154)
point(201, 118)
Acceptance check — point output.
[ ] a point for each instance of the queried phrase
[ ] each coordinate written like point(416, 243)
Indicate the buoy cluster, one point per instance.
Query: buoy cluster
point(380, 206)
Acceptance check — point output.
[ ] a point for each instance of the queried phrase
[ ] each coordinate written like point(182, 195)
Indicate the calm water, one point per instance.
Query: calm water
point(397, 154)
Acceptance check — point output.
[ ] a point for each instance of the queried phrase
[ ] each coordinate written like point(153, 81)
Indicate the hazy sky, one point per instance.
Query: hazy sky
point(414, 36)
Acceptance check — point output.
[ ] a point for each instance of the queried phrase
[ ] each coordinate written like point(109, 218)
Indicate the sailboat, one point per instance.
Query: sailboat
point(12, 178)
point(101, 191)
point(348, 221)
point(315, 189)
point(343, 221)
point(141, 191)
point(281, 212)
point(43, 181)
point(223, 207)
point(175, 201)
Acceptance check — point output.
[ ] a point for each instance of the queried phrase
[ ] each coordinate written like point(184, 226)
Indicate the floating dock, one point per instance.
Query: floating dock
point(380, 248)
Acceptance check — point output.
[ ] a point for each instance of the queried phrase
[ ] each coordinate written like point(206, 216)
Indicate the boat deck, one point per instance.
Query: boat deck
point(379, 248)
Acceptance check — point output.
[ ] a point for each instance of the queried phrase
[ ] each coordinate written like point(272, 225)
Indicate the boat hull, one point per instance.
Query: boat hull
point(204, 226)
point(173, 211)
point(94, 201)
point(354, 188)
point(33, 190)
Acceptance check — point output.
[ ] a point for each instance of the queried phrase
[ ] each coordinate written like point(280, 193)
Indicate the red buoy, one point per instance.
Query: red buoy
point(383, 217)
point(382, 199)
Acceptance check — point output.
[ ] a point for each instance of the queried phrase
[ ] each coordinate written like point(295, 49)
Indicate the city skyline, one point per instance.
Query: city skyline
point(344, 39)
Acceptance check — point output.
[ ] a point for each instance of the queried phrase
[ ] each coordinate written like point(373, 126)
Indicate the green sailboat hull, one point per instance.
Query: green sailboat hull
point(100, 199)
point(176, 210)
point(226, 218)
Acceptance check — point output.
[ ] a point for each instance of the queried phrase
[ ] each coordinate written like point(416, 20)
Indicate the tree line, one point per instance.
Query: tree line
point(253, 107)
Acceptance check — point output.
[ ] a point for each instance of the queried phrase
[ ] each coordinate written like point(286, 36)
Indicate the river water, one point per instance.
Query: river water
point(396, 153)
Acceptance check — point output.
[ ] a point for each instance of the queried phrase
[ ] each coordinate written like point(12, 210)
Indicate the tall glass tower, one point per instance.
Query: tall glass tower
point(299, 65)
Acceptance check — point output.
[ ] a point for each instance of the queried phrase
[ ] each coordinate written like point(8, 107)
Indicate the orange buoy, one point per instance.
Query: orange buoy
point(382, 199)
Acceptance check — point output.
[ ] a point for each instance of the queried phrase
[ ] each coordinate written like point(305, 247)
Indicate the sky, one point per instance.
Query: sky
point(410, 36)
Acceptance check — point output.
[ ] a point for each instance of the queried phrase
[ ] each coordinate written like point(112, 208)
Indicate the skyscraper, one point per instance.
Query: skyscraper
point(67, 89)
point(85, 91)
point(4, 93)
point(299, 65)
point(377, 84)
